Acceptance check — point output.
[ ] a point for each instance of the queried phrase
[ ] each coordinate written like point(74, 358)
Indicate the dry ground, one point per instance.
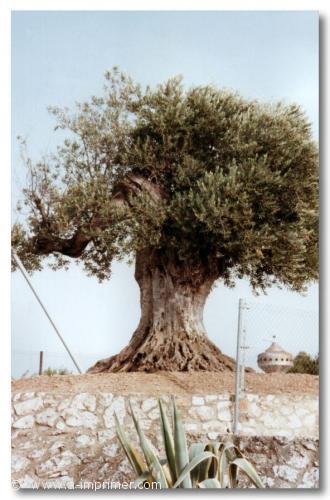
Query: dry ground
point(169, 383)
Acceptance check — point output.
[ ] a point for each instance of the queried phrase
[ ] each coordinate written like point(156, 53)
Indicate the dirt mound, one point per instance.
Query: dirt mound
point(169, 383)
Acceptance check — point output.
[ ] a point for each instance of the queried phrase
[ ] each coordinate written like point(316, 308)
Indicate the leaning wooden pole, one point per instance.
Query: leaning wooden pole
point(27, 279)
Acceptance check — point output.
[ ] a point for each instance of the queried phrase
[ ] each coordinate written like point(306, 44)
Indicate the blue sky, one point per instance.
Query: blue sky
point(59, 58)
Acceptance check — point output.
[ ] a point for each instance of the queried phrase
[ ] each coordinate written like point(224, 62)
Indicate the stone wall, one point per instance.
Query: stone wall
point(63, 441)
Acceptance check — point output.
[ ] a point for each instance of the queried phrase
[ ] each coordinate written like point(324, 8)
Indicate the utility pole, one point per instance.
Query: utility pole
point(239, 364)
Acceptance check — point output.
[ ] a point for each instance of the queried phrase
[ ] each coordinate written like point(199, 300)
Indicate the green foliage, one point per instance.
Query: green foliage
point(305, 363)
point(221, 182)
point(205, 465)
point(50, 372)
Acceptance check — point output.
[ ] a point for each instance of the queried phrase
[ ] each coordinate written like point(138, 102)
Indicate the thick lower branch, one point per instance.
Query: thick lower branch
point(71, 247)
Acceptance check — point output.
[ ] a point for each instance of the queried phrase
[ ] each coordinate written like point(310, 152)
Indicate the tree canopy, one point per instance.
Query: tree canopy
point(202, 173)
point(305, 363)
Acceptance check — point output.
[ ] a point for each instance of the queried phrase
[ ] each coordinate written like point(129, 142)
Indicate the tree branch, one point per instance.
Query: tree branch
point(47, 242)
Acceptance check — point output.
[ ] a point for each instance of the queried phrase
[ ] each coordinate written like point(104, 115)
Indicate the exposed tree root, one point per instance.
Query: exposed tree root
point(171, 335)
point(196, 355)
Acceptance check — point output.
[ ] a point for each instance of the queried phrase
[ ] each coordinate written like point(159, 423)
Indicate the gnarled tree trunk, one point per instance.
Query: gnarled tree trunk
point(171, 335)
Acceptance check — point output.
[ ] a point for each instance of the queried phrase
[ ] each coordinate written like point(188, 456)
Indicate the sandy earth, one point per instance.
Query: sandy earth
point(169, 383)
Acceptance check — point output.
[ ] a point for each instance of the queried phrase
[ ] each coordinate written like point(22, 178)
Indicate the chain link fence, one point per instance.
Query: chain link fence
point(259, 325)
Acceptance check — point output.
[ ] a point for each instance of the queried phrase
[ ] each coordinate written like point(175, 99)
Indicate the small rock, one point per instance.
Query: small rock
point(298, 461)
point(106, 398)
point(64, 404)
point(66, 459)
point(61, 426)
point(254, 410)
point(37, 453)
point(19, 463)
point(125, 467)
point(310, 444)
point(225, 415)
point(26, 445)
point(210, 398)
point(213, 435)
point(190, 427)
point(111, 450)
point(252, 397)
point(309, 420)
point(281, 434)
point(293, 422)
point(203, 413)
point(84, 401)
point(118, 406)
point(26, 422)
point(27, 395)
point(148, 404)
point(50, 400)
point(301, 412)
point(58, 445)
point(154, 414)
point(269, 482)
point(77, 418)
point(28, 406)
point(198, 401)
point(104, 436)
point(84, 440)
point(224, 396)
point(310, 479)
point(286, 409)
point(214, 425)
point(47, 417)
point(223, 405)
point(285, 472)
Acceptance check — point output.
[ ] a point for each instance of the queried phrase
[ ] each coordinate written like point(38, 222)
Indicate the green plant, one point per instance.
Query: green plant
point(54, 371)
point(204, 465)
point(305, 363)
point(195, 185)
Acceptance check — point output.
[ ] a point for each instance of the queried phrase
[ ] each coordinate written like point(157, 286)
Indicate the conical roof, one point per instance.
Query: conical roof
point(275, 347)
point(275, 359)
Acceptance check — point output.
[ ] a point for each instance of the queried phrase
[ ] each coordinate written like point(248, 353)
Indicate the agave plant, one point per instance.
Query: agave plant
point(204, 465)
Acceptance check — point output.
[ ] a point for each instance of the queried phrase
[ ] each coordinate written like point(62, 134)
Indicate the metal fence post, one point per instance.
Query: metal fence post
point(41, 362)
point(238, 371)
point(239, 364)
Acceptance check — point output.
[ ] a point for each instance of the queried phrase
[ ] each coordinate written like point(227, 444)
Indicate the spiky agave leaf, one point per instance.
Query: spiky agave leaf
point(244, 465)
point(205, 466)
point(152, 460)
point(168, 442)
point(211, 483)
point(195, 450)
point(132, 454)
point(180, 446)
point(191, 465)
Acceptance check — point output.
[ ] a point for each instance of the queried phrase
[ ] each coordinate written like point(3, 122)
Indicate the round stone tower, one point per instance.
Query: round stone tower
point(275, 359)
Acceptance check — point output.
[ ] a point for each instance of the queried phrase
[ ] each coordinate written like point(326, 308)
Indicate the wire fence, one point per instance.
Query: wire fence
point(259, 326)
point(26, 363)
point(294, 329)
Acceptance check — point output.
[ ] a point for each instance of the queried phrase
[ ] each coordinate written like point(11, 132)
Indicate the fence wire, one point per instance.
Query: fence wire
point(25, 363)
point(295, 329)
point(259, 324)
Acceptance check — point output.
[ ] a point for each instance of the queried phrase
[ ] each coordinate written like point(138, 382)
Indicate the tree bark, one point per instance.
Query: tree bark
point(171, 335)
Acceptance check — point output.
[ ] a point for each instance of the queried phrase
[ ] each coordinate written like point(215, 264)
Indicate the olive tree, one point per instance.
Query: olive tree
point(196, 186)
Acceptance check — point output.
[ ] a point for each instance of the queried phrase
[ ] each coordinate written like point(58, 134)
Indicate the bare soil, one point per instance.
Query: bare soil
point(161, 383)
